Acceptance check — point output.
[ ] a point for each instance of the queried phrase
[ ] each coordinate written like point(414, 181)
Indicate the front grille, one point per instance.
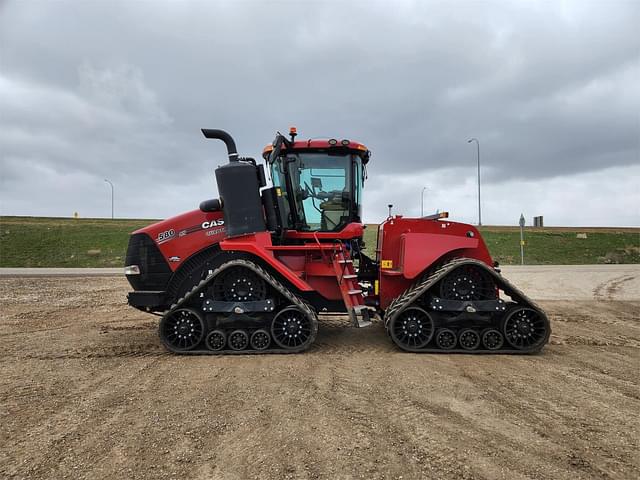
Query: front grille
point(154, 270)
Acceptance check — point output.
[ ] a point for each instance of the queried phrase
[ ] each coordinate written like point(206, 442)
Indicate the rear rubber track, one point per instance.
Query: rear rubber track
point(411, 296)
point(275, 284)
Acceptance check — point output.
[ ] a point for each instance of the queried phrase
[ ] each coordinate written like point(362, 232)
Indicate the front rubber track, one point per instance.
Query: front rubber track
point(293, 299)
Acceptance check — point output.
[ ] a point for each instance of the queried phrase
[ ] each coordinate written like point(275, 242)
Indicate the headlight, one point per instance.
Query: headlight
point(132, 270)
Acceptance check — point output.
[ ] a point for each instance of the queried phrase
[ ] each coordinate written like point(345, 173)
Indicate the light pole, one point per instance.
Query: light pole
point(422, 202)
point(478, 150)
point(521, 223)
point(111, 196)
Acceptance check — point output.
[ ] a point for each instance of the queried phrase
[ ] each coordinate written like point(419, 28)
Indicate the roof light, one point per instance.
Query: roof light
point(293, 130)
point(345, 142)
point(333, 141)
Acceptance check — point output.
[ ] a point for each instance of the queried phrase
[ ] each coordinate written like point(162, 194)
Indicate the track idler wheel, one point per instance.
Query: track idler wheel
point(412, 329)
point(469, 339)
point(525, 328)
point(238, 340)
point(492, 339)
point(216, 340)
point(260, 340)
point(182, 330)
point(292, 328)
point(446, 339)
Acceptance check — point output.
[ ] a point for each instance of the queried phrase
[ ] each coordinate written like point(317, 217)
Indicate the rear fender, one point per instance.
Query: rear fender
point(419, 251)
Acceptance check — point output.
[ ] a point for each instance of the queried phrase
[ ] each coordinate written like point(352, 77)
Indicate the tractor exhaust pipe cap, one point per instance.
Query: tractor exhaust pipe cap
point(226, 138)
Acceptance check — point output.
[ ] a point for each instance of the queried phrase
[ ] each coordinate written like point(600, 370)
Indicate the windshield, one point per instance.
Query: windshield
point(326, 189)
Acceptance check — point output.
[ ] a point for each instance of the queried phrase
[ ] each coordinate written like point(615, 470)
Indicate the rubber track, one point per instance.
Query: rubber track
point(294, 299)
point(417, 289)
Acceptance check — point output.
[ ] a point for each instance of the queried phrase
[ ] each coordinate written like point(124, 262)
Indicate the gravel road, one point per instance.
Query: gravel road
point(87, 392)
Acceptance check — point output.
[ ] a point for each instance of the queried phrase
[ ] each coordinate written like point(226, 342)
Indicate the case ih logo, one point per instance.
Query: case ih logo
point(212, 223)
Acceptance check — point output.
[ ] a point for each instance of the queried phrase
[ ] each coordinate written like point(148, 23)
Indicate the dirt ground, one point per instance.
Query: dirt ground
point(87, 392)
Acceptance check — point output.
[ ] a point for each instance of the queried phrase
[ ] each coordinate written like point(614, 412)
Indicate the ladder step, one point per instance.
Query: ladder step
point(354, 292)
point(361, 316)
point(349, 277)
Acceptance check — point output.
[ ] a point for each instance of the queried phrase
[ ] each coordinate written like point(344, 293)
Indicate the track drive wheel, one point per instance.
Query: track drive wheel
point(239, 284)
point(468, 282)
point(292, 328)
point(182, 329)
point(525, 328)
point(412, 329)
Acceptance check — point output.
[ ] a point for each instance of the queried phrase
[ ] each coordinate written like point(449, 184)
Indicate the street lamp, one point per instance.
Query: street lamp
point(422, 202)
point(478, 150)
point(111, 196)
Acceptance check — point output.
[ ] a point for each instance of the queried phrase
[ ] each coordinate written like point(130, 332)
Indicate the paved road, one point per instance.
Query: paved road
point(64, 272)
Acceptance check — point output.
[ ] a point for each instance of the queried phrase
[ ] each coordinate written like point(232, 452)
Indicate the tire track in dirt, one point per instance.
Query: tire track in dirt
point(607, 290)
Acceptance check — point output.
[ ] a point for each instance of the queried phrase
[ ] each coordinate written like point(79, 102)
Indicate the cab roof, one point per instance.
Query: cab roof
point(324, 145)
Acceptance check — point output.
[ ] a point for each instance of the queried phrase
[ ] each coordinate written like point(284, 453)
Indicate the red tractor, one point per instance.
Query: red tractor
point(250, 272)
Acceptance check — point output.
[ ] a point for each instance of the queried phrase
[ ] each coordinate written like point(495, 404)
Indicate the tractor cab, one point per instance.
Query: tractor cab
point(320, 182)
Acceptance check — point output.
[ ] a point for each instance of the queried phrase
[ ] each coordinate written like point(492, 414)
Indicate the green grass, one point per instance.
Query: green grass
point(67, 242)
point(64, 242)
point(553, 246)
point(563, 247)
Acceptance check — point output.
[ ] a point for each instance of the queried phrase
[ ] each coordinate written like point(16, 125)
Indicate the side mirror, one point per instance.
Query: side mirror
point(277, 146)
point(316, 183)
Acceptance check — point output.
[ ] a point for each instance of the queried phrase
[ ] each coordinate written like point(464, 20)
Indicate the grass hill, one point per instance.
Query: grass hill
point(69, 242)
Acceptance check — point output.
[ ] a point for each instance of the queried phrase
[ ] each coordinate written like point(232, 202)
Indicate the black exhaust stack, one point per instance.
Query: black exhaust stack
point(239, 183)
point(216, 134)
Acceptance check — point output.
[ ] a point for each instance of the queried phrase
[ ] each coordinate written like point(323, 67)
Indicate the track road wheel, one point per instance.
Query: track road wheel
point(292, 328)
point(238, 340)
point(525, 328)
point(469, 339)
point(260, 340)
point(446, 339)
point(181, 330)
point(412, 329)
point(492, 339)
point(216, 340)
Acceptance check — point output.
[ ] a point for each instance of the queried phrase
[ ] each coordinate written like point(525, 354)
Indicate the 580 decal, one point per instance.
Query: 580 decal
point(209, 225)
point(166, 235)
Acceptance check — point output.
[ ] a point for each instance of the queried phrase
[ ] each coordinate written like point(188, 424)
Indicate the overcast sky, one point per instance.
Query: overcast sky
point(119, 90)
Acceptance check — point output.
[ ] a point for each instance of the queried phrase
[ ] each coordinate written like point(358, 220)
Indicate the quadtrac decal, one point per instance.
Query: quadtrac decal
point(213, 227)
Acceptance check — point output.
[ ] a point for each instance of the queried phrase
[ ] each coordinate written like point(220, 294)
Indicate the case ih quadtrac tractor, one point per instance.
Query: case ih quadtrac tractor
point(249, 272)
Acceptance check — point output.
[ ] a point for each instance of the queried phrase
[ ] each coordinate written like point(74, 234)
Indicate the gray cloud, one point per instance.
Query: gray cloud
point(120, 90)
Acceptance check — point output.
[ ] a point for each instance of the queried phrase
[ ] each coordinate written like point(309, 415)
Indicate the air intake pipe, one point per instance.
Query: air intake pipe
point(239, 183)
